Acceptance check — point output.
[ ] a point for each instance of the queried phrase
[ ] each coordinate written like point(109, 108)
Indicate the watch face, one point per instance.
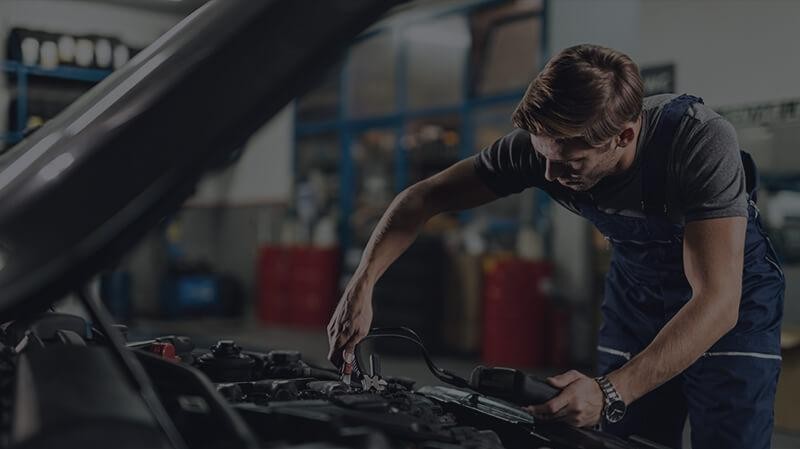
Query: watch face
point(615, 411)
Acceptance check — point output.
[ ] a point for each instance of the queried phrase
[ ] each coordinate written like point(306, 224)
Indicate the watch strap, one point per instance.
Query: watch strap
point(610, 393)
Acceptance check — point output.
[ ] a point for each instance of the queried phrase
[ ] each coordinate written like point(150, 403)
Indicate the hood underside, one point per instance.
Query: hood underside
point(87, 186)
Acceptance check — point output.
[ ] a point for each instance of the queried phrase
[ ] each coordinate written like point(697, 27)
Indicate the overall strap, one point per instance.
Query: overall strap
point(750, 175)
point(654, 166)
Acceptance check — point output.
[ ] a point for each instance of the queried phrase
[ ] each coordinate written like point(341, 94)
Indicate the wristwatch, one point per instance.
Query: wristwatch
point(613, 406)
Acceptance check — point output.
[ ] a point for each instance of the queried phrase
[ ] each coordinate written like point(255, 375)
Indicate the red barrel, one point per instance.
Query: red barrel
point(514, 312)
point(557, 338)
point(313, 286)
point(274, 266)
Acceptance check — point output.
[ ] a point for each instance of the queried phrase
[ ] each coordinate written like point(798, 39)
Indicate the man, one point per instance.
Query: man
point(694, 295)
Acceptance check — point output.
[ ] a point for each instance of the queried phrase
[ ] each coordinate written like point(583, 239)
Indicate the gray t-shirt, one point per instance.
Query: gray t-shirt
point(705, 176)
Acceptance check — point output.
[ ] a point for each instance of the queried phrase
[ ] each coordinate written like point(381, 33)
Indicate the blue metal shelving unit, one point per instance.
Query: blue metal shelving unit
point(21, 74)
point(347, 127)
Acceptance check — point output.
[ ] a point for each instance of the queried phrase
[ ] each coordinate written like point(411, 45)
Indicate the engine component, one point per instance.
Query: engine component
point(347, 367)
point(512, 385)
point(373, 380)
point(164, 350)
point(268, 399)
point(95, 409)
point(226, 363)
point(328, 388)
point(44, 328)
point(202, 416)
point(283, 357)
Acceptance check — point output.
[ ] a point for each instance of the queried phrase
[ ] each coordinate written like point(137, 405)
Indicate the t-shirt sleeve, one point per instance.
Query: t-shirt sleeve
point(509, 165)
point(711, 175)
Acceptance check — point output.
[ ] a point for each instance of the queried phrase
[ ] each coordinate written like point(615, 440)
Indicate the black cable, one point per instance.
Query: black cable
point(131, 366)
point(404, 333)
point(324, 374)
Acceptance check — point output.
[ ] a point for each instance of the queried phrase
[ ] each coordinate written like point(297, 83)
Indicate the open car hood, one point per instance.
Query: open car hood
point(86, 187)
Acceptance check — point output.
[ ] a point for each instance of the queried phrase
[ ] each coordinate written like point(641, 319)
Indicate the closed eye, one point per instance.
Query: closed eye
point(573, 161)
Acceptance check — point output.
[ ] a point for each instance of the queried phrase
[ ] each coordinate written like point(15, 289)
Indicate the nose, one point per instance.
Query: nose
point(553, 170)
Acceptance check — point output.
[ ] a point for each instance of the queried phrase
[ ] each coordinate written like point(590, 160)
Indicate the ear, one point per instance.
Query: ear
point(626, 137)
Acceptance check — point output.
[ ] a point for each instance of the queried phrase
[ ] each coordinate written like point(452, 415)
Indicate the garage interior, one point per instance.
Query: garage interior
point(261, 252)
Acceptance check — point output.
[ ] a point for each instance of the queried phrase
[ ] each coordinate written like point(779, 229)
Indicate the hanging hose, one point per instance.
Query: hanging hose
point(404, 333)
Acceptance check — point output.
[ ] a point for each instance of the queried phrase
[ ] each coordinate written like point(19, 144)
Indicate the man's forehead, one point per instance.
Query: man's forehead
point(559, 149)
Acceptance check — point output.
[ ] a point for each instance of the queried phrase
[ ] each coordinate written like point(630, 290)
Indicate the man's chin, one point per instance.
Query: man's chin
point(580, 186)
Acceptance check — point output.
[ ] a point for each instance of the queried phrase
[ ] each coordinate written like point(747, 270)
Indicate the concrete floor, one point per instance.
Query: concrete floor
point(314, 346)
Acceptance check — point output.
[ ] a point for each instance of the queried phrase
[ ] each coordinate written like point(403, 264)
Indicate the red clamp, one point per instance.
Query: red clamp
point(165, 351)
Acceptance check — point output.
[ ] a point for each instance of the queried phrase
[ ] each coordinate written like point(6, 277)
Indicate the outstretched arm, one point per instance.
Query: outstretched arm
point(458, 187)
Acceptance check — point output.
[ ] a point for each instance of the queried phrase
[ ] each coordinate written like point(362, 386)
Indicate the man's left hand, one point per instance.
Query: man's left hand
point(580, 403)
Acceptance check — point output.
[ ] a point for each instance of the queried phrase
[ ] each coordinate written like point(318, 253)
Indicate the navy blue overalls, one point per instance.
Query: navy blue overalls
point(729, 392)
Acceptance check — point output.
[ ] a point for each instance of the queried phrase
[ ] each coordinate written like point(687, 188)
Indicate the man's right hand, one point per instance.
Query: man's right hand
point(351, 320)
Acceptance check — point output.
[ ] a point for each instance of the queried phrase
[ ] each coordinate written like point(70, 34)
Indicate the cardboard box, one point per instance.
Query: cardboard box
point(462, 325)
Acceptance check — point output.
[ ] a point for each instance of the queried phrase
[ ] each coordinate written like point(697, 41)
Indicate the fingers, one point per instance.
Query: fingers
point(576, 405)
point(346, 338)
point(336, 340)
point(562, 380)
point(349, 347)
point(551, 408)
point(577, 418)
point(356, 335)
point(335, 357)
point(571, 418)
point(349, 324)
point(570, 413)
point(543, 415)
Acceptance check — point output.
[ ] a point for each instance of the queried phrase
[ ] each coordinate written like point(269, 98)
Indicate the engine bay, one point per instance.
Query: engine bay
point(62, 385)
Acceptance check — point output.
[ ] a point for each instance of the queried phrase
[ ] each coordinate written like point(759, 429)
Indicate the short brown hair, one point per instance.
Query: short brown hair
point(586, 91)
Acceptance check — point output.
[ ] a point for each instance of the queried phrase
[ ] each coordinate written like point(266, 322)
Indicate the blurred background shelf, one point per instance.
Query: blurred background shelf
point(39, 94)
point(17, 69)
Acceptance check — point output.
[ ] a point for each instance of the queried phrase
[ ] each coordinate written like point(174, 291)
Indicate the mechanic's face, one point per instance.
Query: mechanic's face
point(577, 165)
